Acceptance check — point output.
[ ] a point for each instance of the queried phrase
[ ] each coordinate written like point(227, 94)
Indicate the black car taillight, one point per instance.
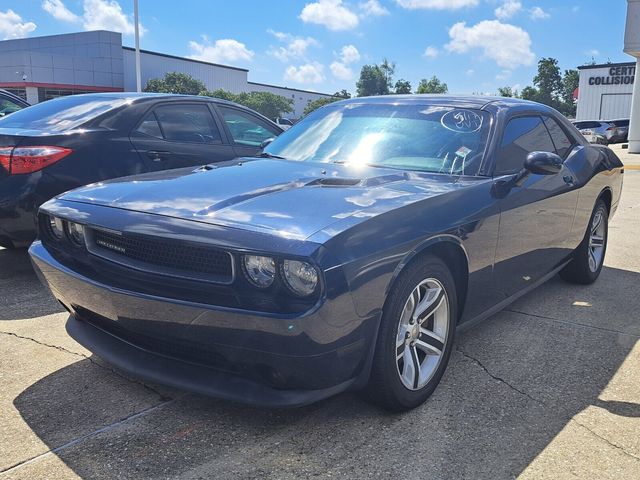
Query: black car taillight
point(21, 160)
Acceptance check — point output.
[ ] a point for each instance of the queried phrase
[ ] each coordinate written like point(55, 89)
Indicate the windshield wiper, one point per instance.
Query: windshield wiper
point(270, 155)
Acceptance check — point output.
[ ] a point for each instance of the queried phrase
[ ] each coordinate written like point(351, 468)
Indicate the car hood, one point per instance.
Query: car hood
point(290, 199)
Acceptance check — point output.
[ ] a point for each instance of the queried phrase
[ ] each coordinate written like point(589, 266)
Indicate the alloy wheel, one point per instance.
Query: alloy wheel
point(422, 333)
point(597, 241)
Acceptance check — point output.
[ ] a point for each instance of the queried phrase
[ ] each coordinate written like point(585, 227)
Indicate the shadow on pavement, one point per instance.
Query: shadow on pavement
point(21, 293)
point(514, 382)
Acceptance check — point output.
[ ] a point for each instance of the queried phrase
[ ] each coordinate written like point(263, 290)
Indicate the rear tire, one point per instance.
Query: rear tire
point(416, 336)
point(588, 258)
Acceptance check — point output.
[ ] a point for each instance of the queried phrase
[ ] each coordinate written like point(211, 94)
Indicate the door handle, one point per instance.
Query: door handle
point(157, 155)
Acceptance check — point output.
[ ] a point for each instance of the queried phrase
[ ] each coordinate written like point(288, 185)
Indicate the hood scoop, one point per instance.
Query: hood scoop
point(334, 182)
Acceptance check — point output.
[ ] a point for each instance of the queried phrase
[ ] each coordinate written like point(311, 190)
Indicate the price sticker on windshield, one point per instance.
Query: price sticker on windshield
point(463, 121)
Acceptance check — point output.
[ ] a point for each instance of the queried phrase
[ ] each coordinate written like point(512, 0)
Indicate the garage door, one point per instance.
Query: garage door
point(615, 105)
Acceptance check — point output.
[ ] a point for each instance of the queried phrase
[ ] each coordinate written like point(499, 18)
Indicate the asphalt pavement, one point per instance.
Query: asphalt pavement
point(548, 388)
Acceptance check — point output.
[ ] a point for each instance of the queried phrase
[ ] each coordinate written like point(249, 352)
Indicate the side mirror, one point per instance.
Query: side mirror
point(543, 163)
point(266, 142)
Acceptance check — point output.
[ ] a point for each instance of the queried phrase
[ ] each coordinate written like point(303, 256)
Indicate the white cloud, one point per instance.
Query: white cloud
point(437, 4)
point(59, 11)
point(508, 45)
point(341, 71)
point(296, 47)
point(508, 9)
point(349, 54)
point(306, 74)
point(592, 53)
point(12, 26)
point(538, 13)
point(503, 75)
point(330, 13)
point(372, 8)
point(107, 15)
point(221, 51)
point(470, 73)
point(96, 15)
point(431, 52)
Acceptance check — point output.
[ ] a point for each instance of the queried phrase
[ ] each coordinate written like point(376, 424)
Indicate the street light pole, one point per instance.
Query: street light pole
point(137, 33)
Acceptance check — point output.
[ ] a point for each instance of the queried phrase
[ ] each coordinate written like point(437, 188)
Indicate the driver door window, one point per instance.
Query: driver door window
point(246, 129)
point(521, 136)
point(8, 106)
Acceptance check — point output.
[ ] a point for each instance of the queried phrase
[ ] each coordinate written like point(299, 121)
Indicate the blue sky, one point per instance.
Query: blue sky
point(472, 45)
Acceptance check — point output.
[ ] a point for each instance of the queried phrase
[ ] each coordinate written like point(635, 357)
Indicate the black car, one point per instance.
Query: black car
point(61, 144)
point(10, 103)
point(346, 259)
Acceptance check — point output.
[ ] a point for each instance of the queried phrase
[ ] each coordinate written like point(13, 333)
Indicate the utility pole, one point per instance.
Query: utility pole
point(137, 27)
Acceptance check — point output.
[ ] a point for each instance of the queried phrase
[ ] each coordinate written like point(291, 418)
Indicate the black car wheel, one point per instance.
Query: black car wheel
point(588, 258)
point(416, 335)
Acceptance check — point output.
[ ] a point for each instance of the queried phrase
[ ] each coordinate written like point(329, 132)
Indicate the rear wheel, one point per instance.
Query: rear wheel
point(588, 258)
point(416, 336)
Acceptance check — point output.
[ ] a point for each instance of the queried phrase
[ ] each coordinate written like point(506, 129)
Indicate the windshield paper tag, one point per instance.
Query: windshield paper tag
point(463, 152)
point(463, 121)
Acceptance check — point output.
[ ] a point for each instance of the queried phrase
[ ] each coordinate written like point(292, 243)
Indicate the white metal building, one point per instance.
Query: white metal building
point(40, 68)
point(605, 91)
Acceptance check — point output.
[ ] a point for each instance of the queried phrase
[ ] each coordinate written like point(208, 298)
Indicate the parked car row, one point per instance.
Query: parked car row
point(604, 132)
point(343, 256)
point(68, 142)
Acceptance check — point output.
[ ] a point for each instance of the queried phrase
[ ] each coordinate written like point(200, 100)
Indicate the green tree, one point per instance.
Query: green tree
point(372, 81)
point(342, 94)
point(570, 82)
point(175, 82)
point(320, 102)
point(268, 104)
point(220, 93)
point(505, 92)
point(388, 69)
point(548, 81)
point(529, 93)
point(403, 86)
point(433, 85)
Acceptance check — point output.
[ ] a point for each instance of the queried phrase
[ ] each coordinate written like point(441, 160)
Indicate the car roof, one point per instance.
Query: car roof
point(148, 96)
point(469, 101)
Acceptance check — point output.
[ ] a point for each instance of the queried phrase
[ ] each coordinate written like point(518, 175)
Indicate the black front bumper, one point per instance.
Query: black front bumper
point(188, 376)
point(237, 355)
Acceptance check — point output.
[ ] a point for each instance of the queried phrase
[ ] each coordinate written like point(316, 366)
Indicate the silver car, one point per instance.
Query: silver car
point(596, 131)
point(621, 133)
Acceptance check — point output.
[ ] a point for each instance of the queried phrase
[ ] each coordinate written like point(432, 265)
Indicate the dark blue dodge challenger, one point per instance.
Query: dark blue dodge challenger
point(345, 257)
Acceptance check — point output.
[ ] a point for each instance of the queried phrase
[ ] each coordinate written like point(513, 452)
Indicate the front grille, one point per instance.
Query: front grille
point(164, 256)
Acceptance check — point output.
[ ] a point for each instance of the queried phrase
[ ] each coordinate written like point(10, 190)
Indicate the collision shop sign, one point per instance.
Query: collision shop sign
point(621, 75)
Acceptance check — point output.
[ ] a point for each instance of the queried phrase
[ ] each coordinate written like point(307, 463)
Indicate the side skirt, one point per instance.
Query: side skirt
point(507, 301)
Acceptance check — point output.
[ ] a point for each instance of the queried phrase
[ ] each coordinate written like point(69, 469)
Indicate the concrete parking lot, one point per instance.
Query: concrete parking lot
point(549, 388)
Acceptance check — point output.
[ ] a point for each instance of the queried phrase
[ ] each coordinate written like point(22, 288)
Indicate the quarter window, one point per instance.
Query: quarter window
point(560, 139)
point(521, 136)
point(247, 129)
point(186, 123)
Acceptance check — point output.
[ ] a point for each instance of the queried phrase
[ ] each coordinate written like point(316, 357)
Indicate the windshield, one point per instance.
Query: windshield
point(61, 114)
point(430, 138)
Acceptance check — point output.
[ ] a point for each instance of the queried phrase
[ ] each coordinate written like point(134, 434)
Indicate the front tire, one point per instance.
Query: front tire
point(416, 335)
point(588, 258)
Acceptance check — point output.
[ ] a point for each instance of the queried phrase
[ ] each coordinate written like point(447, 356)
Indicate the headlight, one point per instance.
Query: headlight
point(260, 271)
point(300, 277)
point(55, 227)
point(76, 233)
